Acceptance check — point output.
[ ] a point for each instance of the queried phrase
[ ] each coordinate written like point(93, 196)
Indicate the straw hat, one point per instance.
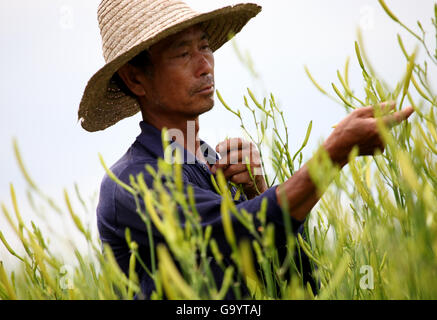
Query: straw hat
point(129, 27)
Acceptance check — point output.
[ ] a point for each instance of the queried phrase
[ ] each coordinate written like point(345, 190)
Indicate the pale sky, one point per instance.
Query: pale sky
point(50, 49)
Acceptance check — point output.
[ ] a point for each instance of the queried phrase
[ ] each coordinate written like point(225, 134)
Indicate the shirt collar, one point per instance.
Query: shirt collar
point(151, 139)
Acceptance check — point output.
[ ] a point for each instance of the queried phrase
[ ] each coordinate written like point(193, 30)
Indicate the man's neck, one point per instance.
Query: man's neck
point(183, 131)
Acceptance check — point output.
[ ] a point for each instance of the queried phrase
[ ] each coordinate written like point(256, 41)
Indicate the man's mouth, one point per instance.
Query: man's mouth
point(206, 89)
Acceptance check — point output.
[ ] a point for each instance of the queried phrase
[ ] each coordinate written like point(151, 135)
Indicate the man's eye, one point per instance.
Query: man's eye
point(205, 47)
point(183, 54)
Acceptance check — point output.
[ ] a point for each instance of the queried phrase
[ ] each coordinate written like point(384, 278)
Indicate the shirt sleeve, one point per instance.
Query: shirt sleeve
point(208, 205)
point(118, 211)
point(274, 211)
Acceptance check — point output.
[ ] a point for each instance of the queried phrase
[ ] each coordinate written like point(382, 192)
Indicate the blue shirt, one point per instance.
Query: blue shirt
point(116, 210)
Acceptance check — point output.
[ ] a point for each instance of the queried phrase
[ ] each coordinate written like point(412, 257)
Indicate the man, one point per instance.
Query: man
point(160, 61)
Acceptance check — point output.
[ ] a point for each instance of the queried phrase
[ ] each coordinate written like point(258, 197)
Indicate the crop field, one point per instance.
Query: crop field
point(373, 235)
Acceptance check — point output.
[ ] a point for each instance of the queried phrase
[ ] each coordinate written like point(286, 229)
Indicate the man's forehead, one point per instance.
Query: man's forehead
point(195, 32)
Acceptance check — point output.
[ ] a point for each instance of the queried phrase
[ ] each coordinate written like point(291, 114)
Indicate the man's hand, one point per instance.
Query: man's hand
point(233, 163)
point(360, 129)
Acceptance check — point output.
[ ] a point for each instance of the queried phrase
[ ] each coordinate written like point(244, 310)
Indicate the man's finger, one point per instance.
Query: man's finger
point(237, 157)
point(385, 107)
point(232, 144)
point(242, 178)
point(229, 145)
point(397, 117)
point(216, 166)
point(255, 170)
point(234, 169)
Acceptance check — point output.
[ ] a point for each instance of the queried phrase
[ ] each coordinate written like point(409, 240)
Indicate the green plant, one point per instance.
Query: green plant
point(373, 234)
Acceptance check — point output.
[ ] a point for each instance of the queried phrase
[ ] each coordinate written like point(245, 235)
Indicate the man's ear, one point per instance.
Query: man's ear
point(132, 77)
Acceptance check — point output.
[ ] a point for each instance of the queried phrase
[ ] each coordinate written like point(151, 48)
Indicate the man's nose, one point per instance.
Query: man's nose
point(204, 65)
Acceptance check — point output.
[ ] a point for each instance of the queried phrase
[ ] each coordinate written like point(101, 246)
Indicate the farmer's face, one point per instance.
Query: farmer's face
point(183, 74)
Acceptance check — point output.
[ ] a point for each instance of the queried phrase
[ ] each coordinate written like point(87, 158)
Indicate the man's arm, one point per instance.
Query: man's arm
point(359, 128)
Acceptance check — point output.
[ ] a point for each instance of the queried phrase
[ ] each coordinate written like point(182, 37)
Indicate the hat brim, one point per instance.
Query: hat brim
point(103, 103)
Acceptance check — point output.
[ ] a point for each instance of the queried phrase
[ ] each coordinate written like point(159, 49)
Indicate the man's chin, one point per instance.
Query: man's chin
point(206, 107)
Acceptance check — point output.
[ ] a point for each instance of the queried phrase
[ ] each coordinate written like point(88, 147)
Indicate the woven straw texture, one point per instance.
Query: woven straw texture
point(129, 27)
